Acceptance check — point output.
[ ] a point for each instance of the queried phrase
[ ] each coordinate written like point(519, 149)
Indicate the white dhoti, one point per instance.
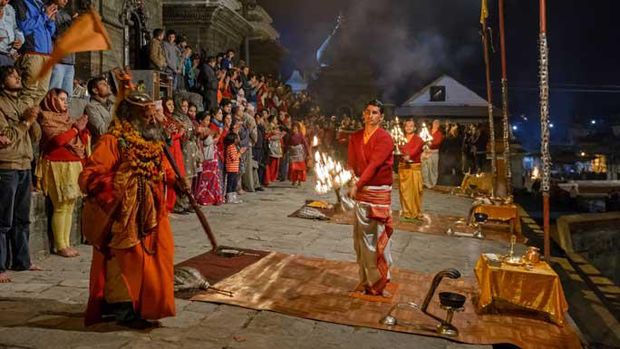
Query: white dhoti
point(430, 168)
point(371, 237)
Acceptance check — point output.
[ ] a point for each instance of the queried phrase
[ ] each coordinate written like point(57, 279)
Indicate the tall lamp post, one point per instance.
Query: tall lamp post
point(487, 63)
point(507, 164)
point(544, 123)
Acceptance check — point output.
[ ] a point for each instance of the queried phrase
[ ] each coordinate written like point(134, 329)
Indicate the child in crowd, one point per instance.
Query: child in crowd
point(232, 160)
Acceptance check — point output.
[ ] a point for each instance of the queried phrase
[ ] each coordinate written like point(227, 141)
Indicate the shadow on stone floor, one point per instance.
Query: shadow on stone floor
point(50, 314)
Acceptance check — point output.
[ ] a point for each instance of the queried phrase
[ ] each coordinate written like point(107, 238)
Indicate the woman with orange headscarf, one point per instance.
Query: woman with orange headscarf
point(64, 147)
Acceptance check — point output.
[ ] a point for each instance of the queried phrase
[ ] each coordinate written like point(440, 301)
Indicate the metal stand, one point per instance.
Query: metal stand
point(446, 328)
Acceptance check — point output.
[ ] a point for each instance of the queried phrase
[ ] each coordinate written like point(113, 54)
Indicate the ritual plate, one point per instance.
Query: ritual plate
point(319, 204)
point(516, 261)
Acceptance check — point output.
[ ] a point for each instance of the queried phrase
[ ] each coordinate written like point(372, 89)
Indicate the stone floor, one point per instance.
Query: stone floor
point(44, 309)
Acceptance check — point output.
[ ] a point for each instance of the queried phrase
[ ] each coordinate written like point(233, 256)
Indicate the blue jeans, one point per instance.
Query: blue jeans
point(62, 77)
point(15, 199)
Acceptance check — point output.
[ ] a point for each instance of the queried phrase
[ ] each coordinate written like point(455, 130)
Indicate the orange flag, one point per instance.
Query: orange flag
point(87, 33)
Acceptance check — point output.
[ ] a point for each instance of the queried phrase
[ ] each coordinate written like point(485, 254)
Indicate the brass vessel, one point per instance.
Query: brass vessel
point(532, 255)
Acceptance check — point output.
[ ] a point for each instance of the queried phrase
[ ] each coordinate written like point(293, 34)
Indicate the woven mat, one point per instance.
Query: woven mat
point(216, 268)
point(435, 224)
point(320, 289)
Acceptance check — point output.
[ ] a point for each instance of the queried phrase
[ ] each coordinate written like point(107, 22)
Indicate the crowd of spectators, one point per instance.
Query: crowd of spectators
point(247, 132)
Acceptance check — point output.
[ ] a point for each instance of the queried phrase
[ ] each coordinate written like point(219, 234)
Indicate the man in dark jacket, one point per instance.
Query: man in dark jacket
point(63, 72)
point(208, 80)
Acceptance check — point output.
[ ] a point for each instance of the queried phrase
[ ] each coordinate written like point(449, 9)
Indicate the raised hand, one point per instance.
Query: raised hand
point(81, 123)
point(51, 11)
point(31, 114)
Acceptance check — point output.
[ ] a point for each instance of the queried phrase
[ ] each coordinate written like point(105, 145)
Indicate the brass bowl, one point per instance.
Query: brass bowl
point(451, 299)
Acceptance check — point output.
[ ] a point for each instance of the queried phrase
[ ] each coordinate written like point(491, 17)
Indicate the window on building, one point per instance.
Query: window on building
point(438, 93)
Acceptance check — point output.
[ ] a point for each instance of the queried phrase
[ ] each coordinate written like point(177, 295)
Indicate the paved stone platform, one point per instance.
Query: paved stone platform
point(44, 309)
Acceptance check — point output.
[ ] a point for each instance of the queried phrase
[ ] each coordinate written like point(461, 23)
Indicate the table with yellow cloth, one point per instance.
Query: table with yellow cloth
point(538, 290)
point(503, 212)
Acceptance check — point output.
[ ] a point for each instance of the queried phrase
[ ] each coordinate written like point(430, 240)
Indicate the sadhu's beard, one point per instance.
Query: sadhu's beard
point(148, 130)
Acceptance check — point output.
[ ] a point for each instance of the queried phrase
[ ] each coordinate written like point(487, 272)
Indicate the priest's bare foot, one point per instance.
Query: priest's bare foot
point(4, 278)
point(360, 288)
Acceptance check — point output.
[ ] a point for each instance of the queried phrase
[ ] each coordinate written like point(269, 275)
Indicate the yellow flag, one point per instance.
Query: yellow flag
point(87, 33)
point(484, 12)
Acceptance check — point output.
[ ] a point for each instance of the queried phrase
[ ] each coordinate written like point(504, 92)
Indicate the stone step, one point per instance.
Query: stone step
point(41, 238)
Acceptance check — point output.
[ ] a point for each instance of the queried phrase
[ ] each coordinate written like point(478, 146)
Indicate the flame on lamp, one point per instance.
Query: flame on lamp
point(425, 133)
point(330, 174)
point(315, 141)
point(397, 133)
point(535, 173)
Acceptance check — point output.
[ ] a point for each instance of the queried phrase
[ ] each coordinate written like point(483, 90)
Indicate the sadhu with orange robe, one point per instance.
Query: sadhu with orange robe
point(126, 220)
point(411, 184)
point(371, 158)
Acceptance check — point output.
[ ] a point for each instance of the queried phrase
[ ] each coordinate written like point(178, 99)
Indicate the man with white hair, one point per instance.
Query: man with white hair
point(430, 162)
point(249, 179)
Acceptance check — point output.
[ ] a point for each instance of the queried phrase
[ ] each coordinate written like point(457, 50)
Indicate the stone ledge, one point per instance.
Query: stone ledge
point(564, 237)
point(40, 226)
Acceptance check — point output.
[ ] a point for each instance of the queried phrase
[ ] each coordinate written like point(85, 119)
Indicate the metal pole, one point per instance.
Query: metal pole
point(487, 63)
point(506, 125)
point(544, 123)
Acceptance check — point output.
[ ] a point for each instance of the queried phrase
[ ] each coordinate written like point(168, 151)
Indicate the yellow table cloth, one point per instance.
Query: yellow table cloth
point(503, 213)
point(537, 290)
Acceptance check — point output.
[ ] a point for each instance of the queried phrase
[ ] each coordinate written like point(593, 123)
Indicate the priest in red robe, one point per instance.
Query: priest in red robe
point(410, 175)
point(371, 158)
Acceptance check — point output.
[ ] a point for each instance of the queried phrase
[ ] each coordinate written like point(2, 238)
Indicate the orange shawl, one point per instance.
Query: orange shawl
point(55, 120)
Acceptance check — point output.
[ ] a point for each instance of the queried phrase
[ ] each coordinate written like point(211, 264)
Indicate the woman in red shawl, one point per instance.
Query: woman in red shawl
point(64, 147)
point(298, 154)
point(174, 132)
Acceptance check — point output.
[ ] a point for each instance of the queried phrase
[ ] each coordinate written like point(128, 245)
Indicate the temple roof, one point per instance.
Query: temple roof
point(450, 99)
point(297, 82)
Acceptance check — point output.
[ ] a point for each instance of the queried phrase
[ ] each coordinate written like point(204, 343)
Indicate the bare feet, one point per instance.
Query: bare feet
point(66, 252)
point(4, 278)
point(74, 251)
point(34, 267)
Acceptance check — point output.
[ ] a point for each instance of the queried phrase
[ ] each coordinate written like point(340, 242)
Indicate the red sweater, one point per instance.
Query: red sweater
point(413, 148)
point(232, 158)
point(371, 162)
point(437, 140)
point(55, 149)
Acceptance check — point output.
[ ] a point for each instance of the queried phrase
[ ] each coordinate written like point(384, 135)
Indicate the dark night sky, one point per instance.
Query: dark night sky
point(412, 42)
